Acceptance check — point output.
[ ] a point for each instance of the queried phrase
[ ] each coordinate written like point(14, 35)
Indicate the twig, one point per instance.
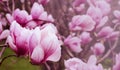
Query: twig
point(5, 45)
point(47, 66)
point(1, 61)
point(13, 5)
point(2, 51)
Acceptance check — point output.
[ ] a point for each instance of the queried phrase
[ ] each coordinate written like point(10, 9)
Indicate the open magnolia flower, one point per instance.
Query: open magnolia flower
point(44, 45)
point(73, 42)
point(41, 45)
point(82, 22)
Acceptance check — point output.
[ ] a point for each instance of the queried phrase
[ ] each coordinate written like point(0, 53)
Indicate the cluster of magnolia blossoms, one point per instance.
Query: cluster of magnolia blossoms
point(77, 64)
point(37, 17)
point(34, 35)
point(90, 30)
point(91, 26)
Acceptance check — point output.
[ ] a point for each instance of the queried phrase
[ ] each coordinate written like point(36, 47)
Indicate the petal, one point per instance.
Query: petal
point(56, 55)
point(21, 16)
point(50, 18)
point(92, 60)
point(4, 34)
point(35, 39)
point(31, 24)
point(43, 16)
point(36, 10)
point(102, 22)
point(9, 18)
point(117, 14)
point(37, 55)
point(10, 41)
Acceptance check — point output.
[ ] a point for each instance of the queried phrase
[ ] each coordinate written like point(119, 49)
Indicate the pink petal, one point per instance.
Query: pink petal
point(36, 10)
point(43, 16)
point(50, 18)
point(21, 16)
point(37, 55)
point(56, 55)
point(105, 31)
point(9, 18)
point(102, 22)
point(10, 41)
point(4, 34)
point(92, 60)
point(35, 39)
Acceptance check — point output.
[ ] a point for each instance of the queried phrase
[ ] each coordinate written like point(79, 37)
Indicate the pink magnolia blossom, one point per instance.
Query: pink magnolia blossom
point(117, 62)
point(78, 64)
point(105, 31)
point(104, 6)
point(18, 39)
point(79, 5)
point(100, 19)
point(36, 10)
point(98, 49)
point(85, 38)
point(93, 12)
point(108, 33)
point(73, 43)
point(82, 22)
point(44, 45)
point(20, 16)
point(38, 13)
point(78, 2)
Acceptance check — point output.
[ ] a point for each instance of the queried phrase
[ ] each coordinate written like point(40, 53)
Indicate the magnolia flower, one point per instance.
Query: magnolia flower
point(85, 38)
point(20, 16)
point(18, 39)
point(38, 13)
point(44, 45)
point(78, 2)
point(104, 6)
point(78, 64)
point(98, 49)
point(82, 22)
point(73, 43)
point(79, 5)
point(93, 12)
point(117, 62)
point(108, 33)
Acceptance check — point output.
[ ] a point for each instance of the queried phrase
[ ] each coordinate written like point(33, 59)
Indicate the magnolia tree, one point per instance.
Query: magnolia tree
point(61, 34)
